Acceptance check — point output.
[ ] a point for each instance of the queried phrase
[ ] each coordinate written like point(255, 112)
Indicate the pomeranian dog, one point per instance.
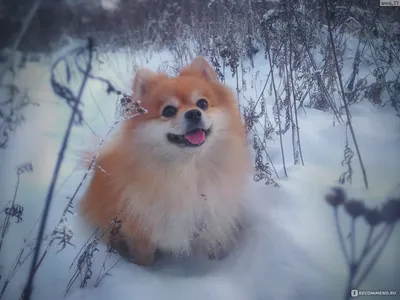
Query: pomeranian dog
point(176, 174)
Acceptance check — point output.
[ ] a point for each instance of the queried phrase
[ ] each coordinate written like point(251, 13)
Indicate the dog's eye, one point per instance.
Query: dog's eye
point(169, 111)
point(203, 104)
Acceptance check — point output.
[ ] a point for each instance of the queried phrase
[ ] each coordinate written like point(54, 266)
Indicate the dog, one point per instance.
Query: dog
point(176, 175)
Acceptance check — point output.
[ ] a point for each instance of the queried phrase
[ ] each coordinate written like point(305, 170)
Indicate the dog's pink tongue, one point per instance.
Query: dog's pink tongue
point(197, 137)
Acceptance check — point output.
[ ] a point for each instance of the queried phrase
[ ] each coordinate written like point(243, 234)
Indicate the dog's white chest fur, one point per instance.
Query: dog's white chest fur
point(189, 208)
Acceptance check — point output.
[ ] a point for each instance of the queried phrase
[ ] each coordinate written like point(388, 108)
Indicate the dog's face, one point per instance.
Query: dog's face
point(188, 114)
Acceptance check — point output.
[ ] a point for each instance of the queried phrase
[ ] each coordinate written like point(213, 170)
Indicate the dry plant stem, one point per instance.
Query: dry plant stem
point(261, 96)
point(344, 95)
point(262, 91)
point(72, 198)
point(277, 106)
point(6, 223)
point(292, 84)
point(367, 245)
point(92, 162)
point(395, 52)
point(353, 239)
point(66, 210)
point(19, 37)
point(103, 267)
point(83, 259)
point(375, 241)
point(106, 273)
point(378, 64)
point(266, 153)
point(28, 288)
point(340, 235)
point(255, 131)
point(84, 266)
point(319, 79)
point(387, 234)
point(17, 263)
point(83, 247)
point(290, 107)
point(95, 237)
point(354, 266)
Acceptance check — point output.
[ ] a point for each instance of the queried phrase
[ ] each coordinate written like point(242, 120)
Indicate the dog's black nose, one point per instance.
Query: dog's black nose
point(193, 115)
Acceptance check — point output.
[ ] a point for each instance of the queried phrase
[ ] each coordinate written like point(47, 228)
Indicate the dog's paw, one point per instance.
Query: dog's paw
point(218, 254)
point(138, 253)
point(143, 259)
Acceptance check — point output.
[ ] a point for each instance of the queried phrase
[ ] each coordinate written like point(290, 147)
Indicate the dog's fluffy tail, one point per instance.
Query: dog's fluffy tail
point(86, 155)
point(85, 158)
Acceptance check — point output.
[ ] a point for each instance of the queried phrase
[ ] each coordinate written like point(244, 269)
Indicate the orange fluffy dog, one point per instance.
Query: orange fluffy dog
point(177, 173)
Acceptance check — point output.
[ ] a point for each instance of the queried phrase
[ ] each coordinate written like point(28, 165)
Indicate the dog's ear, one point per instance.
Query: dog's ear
point(143, 81)
point(200, 66)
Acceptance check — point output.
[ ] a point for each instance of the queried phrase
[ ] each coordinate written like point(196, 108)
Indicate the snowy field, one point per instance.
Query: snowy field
point(289, 250)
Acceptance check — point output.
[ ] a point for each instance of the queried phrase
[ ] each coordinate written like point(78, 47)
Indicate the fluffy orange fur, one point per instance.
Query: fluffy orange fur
point(173, 199)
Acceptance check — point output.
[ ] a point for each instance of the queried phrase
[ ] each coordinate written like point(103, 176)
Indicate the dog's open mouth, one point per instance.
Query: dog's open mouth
point(193, 138)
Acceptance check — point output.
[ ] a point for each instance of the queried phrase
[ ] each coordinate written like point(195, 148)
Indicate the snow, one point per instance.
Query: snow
point(289, 249)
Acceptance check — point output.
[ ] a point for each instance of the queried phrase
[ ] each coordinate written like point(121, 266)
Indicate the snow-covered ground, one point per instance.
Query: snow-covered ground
point(290, 248)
